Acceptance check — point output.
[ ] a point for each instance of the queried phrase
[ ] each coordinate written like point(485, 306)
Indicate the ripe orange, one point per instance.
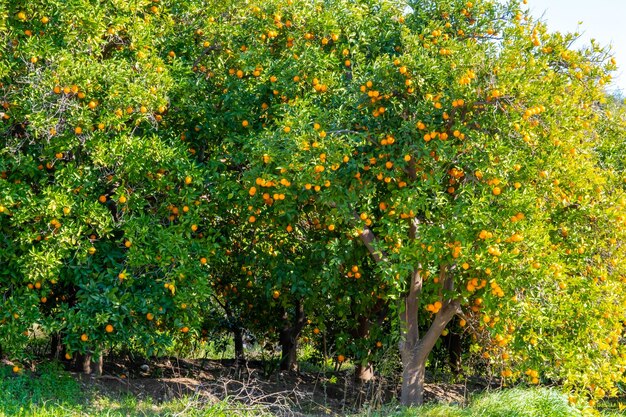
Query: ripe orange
point(341, 358)
point(185, 329)
point(128, 244)
point(78, 130)
point(188, 180)
point(102, 199)
point(109, 328)
point(276, 294)
point(150, 316)
point(84, 337)
point(16, 369)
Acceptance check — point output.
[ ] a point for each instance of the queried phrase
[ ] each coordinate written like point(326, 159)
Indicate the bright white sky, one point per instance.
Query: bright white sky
point(602, 20)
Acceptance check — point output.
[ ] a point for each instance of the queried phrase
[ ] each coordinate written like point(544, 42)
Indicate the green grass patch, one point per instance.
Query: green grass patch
point(507, 403)
point(52, 392)
point(49, 385)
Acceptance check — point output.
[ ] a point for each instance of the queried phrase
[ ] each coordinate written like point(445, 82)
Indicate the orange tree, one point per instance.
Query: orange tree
point(104, 217)
point(248, 70)
point(271, 274)
point(459, 143)
point(153, 151)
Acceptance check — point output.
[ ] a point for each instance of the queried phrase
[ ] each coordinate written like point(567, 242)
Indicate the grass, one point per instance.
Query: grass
point(52, 392)
point(536, 402)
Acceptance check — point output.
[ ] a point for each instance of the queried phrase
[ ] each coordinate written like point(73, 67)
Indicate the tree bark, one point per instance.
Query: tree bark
point(412, 375)
point(238, 339)
point(453, 343)
point(363, 372)
point(99, 363)
point(56, 347)
point(235, 326)
point(289, 345)
point(91, 364)
point(415, 353)
point(288, 338)
point(87, 363)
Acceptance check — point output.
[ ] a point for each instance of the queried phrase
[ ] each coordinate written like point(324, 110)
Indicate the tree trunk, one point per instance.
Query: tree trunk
point(238, 339)
point(412, 375)
point(288, 338)
point(454, 348)
point(99, 363)
point(56, 347)
point(364, 372)
point(415, 351)
point(289, 345)
point(87, 363)
point(235, 325)
point(414, 359)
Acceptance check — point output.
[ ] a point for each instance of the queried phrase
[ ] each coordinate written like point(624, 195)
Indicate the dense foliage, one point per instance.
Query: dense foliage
point(349, 173)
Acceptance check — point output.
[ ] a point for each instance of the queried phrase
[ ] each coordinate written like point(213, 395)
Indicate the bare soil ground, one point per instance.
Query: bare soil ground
point(283, 393)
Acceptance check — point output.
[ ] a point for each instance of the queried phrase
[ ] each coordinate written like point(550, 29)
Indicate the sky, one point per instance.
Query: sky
point(602, 20)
